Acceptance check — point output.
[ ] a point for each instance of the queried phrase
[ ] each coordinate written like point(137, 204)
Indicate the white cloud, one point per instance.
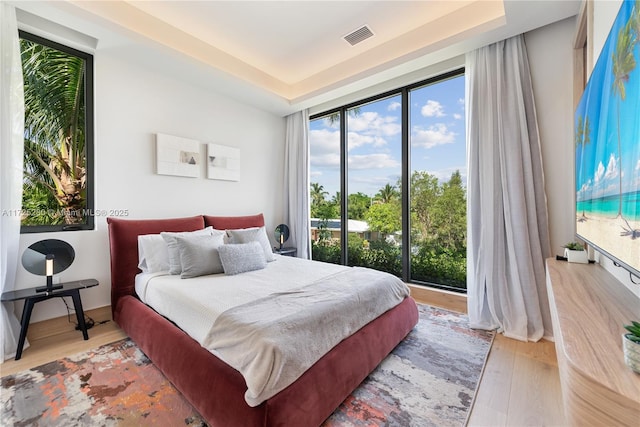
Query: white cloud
point(585, 191)
point(599, 173)
point(461, 101)
point(432, 109)
point(324, 148)
point(394, 106)
point(372, 123)
point(355, 140)
point(612, 168)
point(437, 134)
point(326, 160)
point(457, 116)
point(372, 161)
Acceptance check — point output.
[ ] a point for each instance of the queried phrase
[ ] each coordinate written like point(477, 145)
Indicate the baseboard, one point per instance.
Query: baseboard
point(440, 298)
point(63, 324)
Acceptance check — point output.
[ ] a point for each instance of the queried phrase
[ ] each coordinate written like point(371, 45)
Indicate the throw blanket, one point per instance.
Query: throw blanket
point(274, 340)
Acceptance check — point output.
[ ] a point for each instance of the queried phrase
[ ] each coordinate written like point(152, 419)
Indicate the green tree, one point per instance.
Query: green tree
point(337, 199)
point(317, 194)
point(54, 155)
point(358, 205)
point(387, 194)
point(326, 211)
point(424, 192)
point(384, 218)
point(450, 216)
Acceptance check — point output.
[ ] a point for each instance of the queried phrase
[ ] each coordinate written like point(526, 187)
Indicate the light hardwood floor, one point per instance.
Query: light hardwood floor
point(520, 385)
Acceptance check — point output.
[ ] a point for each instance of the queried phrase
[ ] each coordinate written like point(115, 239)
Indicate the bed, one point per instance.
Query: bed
point(216, 389)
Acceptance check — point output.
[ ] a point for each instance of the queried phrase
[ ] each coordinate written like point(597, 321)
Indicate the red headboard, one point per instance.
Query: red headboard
point(234, 222)
point(123, 241)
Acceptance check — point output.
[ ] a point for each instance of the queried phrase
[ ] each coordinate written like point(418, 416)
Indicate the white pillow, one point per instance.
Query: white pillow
point(153, 255)
point(199, 255)
point(175, 267)
point(242, 257)
point(254, 234)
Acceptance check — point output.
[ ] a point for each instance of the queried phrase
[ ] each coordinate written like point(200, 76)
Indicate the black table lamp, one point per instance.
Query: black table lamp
point(46, 258)
point(282, 234)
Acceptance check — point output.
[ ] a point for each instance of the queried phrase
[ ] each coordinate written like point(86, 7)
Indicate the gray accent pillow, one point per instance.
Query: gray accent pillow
point(242, 257)
point(199, 255)
point(175, 267)
point(255, 234)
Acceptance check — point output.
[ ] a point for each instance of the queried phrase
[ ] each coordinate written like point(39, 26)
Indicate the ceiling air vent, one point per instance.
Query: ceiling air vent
point(358, 35)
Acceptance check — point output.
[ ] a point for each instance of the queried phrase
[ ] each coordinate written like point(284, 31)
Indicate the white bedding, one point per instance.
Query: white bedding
point(195, 304)
point(275, 323)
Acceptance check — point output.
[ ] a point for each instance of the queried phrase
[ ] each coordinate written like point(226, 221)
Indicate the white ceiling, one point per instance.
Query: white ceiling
point(287, 55)
point(292, 41)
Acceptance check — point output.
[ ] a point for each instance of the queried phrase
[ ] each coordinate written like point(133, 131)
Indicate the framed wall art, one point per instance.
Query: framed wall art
point(177, 156)
point(223, 162)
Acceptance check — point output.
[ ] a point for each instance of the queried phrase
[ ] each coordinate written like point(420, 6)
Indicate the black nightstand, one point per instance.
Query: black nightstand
point(286, 251)
point(30, 297)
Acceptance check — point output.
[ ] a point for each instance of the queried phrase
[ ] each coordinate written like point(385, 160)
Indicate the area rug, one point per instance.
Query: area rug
point(428, 380)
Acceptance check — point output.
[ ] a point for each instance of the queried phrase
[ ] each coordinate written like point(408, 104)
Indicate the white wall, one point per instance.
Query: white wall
point(550, 52)
point(132, 103)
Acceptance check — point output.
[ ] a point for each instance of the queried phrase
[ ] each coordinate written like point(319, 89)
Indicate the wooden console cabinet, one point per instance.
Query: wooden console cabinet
point(589, 308)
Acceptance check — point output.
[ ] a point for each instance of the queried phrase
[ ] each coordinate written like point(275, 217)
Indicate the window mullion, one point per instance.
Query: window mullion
point(344, 163)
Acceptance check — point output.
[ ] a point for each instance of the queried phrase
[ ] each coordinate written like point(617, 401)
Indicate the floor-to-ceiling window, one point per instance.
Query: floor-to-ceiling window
point(438, 172)
point(374, 172)
point(326, 204)
point(400, 160)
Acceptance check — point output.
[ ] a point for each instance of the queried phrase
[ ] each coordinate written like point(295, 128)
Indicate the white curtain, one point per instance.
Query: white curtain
point(507, 208)
point(296, 182)
point(11, 151)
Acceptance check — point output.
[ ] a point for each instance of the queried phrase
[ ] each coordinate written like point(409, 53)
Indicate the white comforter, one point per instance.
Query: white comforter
point(220, 311)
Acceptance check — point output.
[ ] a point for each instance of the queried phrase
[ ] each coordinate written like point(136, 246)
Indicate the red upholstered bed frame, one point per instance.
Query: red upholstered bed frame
point(215, 389)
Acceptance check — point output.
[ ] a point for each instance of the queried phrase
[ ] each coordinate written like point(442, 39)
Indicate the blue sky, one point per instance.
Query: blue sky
point(374, 140)
point(599, 165)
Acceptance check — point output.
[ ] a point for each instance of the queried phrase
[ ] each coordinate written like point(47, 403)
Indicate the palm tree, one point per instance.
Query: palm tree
point(337, 199)
point(623, 63)
point(335, 117)
point(387, 194)
point(582, 139)
point(317, 193)
point(55, 157)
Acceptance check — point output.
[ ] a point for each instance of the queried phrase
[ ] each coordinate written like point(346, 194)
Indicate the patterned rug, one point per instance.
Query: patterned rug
point(428, 380)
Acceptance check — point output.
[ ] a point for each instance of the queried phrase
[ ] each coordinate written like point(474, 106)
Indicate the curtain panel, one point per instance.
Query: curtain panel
point(508, 233)
point(296, 182)
point(11, 152)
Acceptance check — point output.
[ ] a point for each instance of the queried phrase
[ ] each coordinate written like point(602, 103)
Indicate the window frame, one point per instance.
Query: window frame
point(404, 91)
point(89, 137)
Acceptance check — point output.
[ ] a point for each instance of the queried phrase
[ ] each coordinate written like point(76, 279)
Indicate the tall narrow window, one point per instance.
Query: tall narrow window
point(374, 171)
point(438, 190)
point(58, 137)
point(326, 227)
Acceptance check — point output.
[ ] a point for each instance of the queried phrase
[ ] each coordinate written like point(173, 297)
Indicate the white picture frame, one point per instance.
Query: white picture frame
point(223, 162)
point(177, 156)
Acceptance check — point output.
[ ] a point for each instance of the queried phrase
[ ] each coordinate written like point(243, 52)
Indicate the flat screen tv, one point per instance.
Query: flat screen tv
point(607, 146)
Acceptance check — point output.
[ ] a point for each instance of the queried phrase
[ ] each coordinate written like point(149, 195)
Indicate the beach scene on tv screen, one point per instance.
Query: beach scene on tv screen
point(607, 144)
